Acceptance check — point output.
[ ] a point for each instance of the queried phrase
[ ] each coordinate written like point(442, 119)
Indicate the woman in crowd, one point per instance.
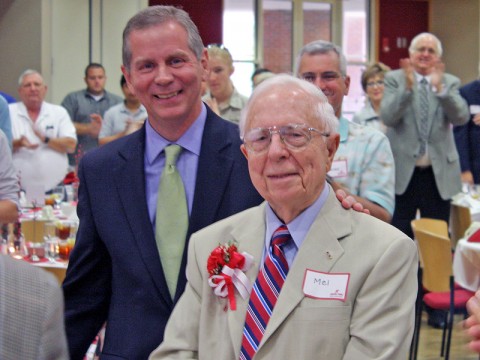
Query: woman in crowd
point(372, 84)
point(223, 98)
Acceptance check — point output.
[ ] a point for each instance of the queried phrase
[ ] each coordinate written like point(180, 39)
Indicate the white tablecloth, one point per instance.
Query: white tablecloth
point(466, 265)
point(473, 203)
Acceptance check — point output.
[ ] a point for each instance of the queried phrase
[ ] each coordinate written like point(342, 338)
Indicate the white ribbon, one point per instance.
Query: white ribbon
point(238, 277)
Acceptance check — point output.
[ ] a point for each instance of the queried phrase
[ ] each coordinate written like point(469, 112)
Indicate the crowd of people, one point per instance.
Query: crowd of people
point(263, 221)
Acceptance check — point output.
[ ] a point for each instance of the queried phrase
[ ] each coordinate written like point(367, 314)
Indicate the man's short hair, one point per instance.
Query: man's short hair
point(156, 15)
point(417, 38)
point(93, 66)
point(322, 47)
point(26, 73)
point(317, 102)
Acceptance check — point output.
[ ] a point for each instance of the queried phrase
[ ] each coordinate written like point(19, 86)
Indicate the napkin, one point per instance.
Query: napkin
point(472, 234)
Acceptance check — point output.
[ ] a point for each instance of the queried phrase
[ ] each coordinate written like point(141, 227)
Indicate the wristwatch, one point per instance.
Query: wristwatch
point(47, 139)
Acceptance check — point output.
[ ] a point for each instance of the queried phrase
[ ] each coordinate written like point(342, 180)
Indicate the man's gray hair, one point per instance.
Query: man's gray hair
point(417, 38)
point(26, 73)
point(322, 47)
point(315, 101)
point(157, 15)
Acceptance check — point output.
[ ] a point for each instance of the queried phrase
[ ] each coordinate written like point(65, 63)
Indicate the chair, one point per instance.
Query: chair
point(437, 288)
point(460, 220)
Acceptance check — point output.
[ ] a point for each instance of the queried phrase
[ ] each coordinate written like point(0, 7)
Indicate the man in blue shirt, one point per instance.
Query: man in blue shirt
point(86, 108)
point(116, 273)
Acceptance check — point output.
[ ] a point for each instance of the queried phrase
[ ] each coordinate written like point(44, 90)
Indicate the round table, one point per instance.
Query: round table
point(466, 264)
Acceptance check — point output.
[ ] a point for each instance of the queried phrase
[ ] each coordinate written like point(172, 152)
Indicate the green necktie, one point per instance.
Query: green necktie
point(171, 222)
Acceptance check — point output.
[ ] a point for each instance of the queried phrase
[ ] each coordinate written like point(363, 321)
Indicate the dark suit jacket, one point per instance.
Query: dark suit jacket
point(115, 273)
point(467, 137)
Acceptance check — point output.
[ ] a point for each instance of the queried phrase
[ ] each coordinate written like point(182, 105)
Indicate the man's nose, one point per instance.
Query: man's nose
point(277, 145)
point(163, 74)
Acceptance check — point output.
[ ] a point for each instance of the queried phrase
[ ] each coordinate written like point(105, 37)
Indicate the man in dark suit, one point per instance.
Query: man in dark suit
point(116, 274)
point(427, 169)
point(467, 136)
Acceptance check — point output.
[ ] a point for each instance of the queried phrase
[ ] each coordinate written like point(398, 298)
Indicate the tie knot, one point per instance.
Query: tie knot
point(281, 236)
point(424, 81)
point(171, 154)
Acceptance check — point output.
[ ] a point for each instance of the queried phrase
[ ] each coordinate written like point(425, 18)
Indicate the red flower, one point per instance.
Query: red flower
point(225, 265)
point(216, 261)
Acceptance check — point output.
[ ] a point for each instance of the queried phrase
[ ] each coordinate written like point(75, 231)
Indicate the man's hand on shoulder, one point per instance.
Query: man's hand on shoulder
point(349, 202)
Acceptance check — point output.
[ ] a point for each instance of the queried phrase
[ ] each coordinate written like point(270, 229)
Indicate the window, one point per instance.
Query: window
point(271, 37)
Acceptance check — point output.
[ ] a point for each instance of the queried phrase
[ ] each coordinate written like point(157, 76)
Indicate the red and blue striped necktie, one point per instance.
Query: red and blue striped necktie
point(265, 293)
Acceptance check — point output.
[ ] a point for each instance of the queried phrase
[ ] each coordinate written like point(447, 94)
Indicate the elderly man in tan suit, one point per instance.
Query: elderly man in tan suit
point(298, 277)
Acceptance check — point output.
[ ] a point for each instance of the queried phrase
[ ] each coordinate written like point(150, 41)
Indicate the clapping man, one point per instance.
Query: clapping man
point(420, 104)
point(124, 118)
point(43, 135)
point(86, 108)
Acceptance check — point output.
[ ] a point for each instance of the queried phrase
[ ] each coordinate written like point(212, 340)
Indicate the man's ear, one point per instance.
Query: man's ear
point(347, 85)
point(205, 65)
point(244, 151)
point(333, 141)
point(126, 73)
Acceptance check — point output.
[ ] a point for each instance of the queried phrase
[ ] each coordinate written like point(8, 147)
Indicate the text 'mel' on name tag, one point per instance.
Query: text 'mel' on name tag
point(325, 286)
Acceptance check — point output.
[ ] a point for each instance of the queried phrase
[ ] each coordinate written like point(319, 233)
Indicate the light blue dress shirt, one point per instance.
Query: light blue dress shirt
point(298, 227)
point(187, 163)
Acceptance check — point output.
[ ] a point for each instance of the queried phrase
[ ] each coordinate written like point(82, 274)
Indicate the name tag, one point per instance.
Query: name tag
point(339, 169)
point(326, 286)
point(474, 109)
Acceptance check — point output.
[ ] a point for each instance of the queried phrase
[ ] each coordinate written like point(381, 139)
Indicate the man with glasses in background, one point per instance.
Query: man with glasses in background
point(363, 165)
point(420, 104)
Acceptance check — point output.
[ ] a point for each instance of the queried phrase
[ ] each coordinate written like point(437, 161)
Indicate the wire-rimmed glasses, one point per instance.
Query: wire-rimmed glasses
point(294, 136)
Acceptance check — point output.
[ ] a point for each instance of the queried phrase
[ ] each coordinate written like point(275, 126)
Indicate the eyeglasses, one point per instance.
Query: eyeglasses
point(217, 46)
point(373, 83)
point(429, 50)
point(294, 136)
point(325, 76)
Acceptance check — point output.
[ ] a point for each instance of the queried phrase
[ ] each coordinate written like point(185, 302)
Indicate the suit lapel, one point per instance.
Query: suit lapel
point(214, 168)
point(250, 238)
point(318, 252)
point(131, 191)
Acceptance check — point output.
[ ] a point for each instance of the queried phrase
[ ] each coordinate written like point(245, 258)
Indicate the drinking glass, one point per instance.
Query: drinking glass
point(58, 193)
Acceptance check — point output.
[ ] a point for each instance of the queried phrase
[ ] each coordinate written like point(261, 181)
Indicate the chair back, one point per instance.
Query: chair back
point(435, 250)
point(460, 220)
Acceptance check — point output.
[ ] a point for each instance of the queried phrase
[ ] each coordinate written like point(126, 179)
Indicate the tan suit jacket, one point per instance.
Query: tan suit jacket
point(375, 322)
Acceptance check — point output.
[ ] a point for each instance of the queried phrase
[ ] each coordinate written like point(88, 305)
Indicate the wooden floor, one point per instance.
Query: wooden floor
point(431, 341)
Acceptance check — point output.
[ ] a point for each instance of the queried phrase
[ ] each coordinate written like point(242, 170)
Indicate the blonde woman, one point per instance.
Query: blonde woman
point(222, 97)
point(372, 84)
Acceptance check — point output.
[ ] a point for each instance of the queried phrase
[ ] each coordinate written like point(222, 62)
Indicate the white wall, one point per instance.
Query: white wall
point(52, 36)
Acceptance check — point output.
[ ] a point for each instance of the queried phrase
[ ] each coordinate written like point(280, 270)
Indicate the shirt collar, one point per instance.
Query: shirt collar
point(343, 128)
point(299, 226)
point(419, 77)
point(191, 140)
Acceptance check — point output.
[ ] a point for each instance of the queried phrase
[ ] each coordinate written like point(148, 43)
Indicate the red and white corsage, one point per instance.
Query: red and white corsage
point(226, 267)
